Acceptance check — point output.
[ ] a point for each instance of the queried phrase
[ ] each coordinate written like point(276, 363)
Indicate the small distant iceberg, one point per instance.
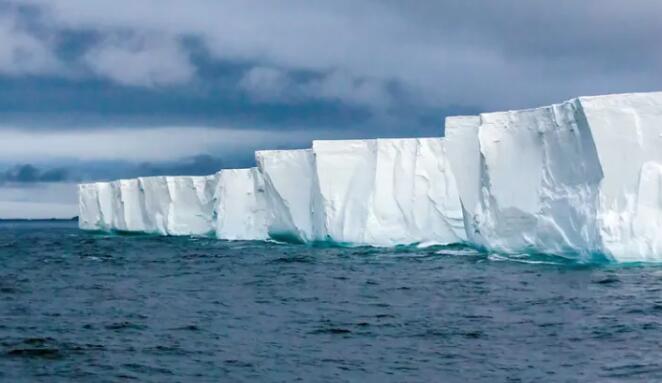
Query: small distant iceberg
point(578, 178)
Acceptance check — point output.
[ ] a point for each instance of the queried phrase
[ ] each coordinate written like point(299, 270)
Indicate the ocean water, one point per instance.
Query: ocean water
point(84, 307)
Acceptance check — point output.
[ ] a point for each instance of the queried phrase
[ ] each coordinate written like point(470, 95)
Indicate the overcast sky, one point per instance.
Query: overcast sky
point(103, 89)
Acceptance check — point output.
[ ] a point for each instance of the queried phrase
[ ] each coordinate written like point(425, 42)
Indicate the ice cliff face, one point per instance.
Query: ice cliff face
point(162, 205)
point(90, 212)
point(386, 192)
point(380, 192)
point(240, 205)
point(627, 130)
point(517, 191)
point(293, 211)
point(578, 177)
point(190, 211)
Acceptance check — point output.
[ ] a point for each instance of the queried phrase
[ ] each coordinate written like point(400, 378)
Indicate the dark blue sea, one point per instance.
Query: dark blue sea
point(90, 307)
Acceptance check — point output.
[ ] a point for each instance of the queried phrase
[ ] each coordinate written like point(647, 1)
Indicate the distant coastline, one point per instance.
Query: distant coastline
point(39, 219)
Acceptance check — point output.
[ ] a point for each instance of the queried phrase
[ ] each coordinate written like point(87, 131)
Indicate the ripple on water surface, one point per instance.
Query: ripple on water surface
point(94, 307)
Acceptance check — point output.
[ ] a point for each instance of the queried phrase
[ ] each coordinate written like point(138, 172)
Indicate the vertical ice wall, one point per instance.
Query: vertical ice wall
point(240, 205)
point(386, 192)
point(191, 205)
point(163, 205)
point(581, 177)
point(131, 206)
point(156, 203)
point(463, 151)
point(89, 216)
point(290, 184)
point(106, 197)
point(346, 174)
point(627, 130)
point(361, 192)
point(518, 191)
point(437, 208)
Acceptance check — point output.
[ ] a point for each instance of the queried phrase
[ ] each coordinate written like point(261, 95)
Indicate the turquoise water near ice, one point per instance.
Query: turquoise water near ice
point(78, 306)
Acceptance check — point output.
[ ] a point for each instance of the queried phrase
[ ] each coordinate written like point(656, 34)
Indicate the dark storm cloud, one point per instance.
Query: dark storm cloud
point(27, 173)
point(374, 63)
point(199, 165)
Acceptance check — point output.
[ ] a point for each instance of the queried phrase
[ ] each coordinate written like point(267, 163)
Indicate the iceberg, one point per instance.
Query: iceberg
point(240, 205)
point(578, 177)
point(387, 192)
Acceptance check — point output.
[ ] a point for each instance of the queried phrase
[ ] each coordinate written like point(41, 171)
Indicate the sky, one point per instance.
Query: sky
point(107, 89)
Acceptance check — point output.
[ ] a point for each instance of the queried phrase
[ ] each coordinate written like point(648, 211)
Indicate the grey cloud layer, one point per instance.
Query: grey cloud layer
point(141, 61)
point(491, 54)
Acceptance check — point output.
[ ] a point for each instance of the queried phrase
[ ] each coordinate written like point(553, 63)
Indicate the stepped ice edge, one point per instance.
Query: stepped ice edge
point(579, 178)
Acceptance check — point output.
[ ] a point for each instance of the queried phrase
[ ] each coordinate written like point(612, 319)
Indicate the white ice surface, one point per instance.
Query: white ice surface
point(240, 206)
point(156, 203)
point(191, 205)
point(578, 177)
point(627, 130)
point(163, 205)
point(89, 216)
point(290, 184)
point(387, 192)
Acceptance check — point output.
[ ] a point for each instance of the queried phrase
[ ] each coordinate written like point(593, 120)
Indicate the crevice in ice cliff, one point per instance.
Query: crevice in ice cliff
point(397, 171)
point(483, 211)
point(170, 211)
point(362, 179)
point(280, 214)
point(101, 218)
point(317, 202)
point(146, 219)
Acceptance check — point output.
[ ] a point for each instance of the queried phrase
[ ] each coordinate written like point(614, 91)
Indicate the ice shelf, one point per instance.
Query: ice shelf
point(576, 179)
